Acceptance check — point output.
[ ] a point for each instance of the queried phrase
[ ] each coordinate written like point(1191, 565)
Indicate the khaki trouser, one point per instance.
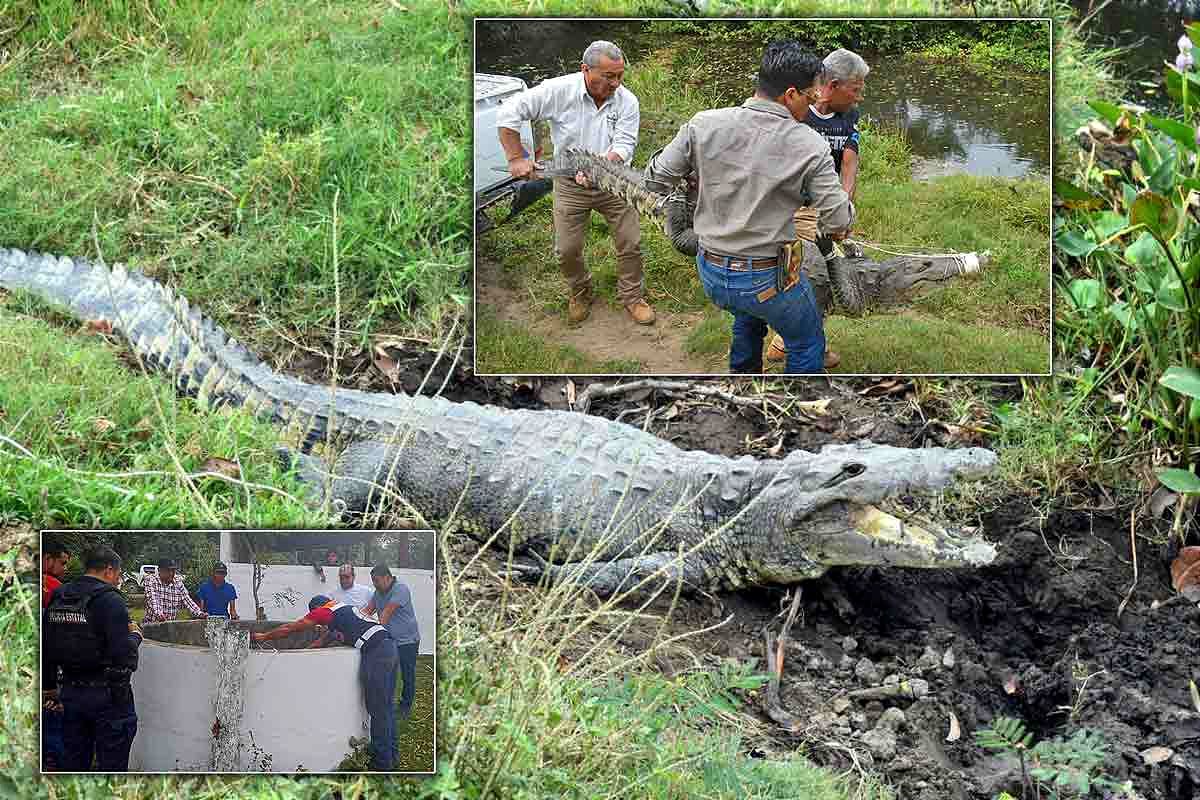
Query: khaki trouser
point(573, 206)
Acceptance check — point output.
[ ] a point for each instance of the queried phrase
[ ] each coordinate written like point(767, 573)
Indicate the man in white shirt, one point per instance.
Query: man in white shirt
point(590, 110)
point(349, 592)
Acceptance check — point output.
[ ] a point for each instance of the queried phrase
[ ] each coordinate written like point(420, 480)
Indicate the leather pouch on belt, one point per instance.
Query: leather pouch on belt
point(787, 273)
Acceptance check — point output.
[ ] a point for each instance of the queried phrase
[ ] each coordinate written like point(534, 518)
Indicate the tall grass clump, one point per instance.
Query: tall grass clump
point(551, 691)
point(1130, 310)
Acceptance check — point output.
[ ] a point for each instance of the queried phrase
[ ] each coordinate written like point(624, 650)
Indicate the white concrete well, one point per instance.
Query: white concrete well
point(296, 709)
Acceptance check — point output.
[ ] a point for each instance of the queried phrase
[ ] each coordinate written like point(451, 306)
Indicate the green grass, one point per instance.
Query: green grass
point(210, 152)
point(927, 344)
point(89, 420)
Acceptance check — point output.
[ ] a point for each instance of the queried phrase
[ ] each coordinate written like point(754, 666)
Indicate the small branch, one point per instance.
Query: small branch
point(1133, 547)
point(597, 390)
point(774, 657)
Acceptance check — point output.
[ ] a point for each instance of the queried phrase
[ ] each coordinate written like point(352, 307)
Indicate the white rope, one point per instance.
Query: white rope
point(964, 262)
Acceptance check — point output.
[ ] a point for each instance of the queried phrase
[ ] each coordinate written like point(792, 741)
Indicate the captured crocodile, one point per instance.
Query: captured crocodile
point(853, 285)
point(602, 501)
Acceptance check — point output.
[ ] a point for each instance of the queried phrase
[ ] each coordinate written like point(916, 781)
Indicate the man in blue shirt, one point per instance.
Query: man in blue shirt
point(393, 603)
point(217, 597)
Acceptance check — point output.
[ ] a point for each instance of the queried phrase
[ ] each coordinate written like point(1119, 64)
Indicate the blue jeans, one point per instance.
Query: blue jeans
point(408, 673)
point(377, 671)
point(97, 721)
point(793, 314)
point(52, 740)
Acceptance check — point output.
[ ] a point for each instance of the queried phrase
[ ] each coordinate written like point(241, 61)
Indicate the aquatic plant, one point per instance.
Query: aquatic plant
point(1129, 232)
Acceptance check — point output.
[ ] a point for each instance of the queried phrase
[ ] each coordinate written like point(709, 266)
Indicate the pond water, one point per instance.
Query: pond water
point(1146, 31)
point(993, 124)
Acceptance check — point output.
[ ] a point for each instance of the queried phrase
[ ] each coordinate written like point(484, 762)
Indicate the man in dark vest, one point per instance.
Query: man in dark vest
point(87, 633)
point(377, 669)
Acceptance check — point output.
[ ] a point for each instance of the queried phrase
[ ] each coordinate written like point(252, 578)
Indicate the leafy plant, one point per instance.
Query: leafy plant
point(1052, 768)
point(1132, 310)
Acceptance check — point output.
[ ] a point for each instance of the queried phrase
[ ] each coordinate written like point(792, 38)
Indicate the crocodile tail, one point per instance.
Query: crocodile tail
point(163, 329)
point(844, 284)
point(612, 177)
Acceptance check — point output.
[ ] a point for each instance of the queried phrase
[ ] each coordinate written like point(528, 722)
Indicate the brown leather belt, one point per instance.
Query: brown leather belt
point(742, 263)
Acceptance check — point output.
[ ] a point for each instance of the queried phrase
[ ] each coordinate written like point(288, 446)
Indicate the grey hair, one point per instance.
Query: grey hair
point(844, 65)
point(601, 49)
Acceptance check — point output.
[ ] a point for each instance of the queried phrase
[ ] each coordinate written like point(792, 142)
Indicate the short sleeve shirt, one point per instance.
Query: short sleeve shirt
point(217, 600)
point(403, 622)
point(840, 129)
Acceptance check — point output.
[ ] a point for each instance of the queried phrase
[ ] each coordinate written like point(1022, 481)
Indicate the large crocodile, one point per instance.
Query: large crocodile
point(852, 285)
point(604, 502)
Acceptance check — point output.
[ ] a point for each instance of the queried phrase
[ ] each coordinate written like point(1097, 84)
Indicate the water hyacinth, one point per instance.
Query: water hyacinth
point(1185, 44)
point(1183, 61)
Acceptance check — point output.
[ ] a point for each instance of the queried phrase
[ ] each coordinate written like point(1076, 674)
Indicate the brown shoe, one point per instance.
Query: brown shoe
point(775, 350)
point(832, 359)
point(641, 312)
point(578, 307)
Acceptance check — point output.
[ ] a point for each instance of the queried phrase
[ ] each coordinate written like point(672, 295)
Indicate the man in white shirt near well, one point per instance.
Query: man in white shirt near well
point(349, 592)
point(590, 110)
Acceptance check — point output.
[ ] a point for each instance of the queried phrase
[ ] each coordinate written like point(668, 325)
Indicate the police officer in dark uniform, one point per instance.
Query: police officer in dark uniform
point(377, 670)
point(88, 633)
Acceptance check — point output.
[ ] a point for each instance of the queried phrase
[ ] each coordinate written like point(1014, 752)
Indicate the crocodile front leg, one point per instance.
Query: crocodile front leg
point(661, 570)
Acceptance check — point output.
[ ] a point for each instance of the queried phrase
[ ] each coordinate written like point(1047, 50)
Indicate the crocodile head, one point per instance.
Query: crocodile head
point(828, 509)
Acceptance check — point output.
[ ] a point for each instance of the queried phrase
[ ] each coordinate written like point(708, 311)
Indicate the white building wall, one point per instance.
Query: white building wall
point(302, 583)
point(302, 706)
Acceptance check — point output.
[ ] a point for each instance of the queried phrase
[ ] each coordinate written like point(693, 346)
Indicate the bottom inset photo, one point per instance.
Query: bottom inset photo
point(239, 651)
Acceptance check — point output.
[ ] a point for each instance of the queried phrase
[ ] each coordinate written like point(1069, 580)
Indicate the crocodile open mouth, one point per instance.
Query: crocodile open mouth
point(910, 542)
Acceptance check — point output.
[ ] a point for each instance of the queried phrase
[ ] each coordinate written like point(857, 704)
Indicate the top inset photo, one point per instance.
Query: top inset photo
point(788, 197)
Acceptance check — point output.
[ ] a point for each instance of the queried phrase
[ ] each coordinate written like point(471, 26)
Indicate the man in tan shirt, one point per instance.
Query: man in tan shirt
point(755, 166)
point(592, 111)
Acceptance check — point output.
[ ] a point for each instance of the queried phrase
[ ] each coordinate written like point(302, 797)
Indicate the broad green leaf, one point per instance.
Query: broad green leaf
point(1155, 212)
point(1074, 244)
point(1075, 198)
point(1085, 292)
point(1174, 82)
point(1111, 112)
point(1162, 180)
point(1144, 252)
point(1181, 132)
point(1179, 480)
point(1185, 380)
point(1128, 194)
point(1106, 223)
point(1170, 295)
point(1119, 310)
point(1191, 270)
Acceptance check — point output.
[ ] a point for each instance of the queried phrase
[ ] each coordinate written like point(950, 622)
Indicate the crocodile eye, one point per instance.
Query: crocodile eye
point(847, 472)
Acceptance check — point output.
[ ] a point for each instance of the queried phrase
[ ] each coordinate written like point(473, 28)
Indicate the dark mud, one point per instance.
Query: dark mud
point(1035, 636)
